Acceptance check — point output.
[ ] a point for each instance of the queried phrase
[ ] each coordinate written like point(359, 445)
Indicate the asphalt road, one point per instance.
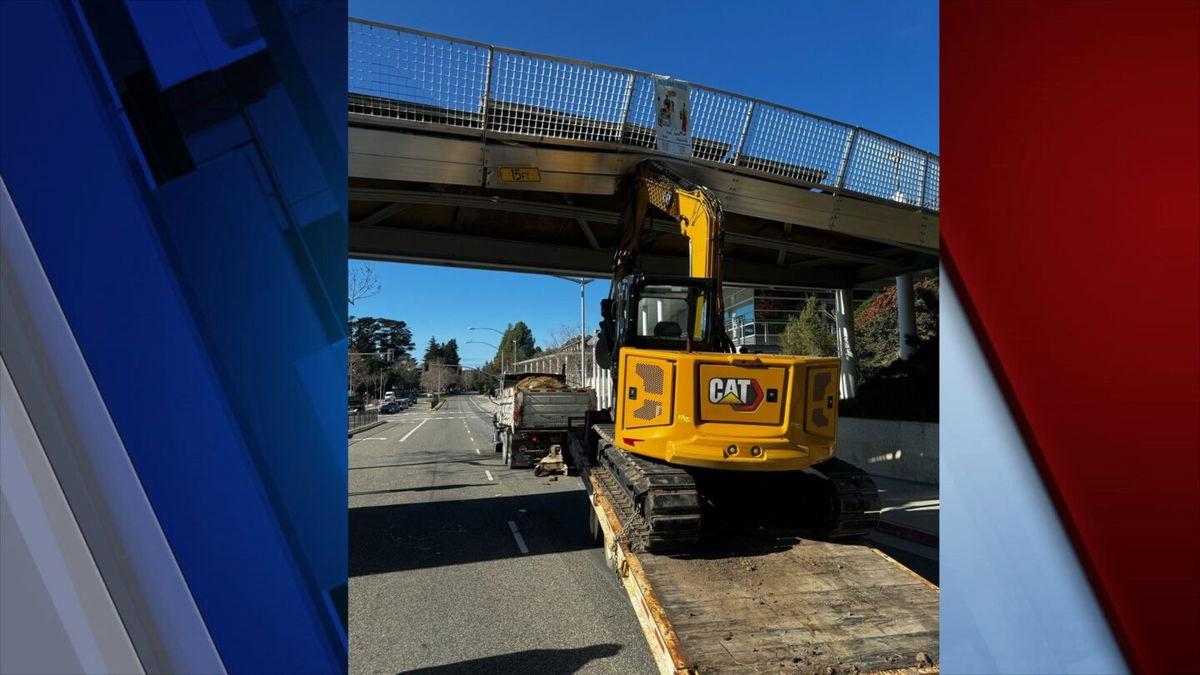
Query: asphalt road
point(461, 565)
point(439, 580)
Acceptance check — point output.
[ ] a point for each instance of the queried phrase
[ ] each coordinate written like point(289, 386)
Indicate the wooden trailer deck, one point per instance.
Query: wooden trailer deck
point(772, 601)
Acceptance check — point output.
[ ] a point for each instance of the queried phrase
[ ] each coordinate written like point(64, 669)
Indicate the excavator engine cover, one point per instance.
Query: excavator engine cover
point(727, 411)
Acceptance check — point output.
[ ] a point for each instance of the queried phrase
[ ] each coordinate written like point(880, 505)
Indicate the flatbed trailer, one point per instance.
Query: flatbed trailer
point(764, 601)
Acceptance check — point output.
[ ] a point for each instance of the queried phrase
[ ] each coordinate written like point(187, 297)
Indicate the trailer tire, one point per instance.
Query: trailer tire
point(511, 460)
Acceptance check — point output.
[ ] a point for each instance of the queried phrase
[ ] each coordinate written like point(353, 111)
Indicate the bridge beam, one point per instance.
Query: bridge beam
point(457, 250)
point(498, 203)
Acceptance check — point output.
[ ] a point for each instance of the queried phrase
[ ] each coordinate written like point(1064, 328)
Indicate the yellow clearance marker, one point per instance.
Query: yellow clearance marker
point(520, 174)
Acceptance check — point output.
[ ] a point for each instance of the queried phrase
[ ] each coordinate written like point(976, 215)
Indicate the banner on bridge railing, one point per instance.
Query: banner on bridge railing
point(672, 116)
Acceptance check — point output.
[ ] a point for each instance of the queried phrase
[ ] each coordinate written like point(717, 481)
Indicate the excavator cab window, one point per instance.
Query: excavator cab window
point(668, 313)
point(671, 313)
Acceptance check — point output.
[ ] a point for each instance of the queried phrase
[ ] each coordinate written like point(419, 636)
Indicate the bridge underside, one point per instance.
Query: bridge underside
point(441, 198)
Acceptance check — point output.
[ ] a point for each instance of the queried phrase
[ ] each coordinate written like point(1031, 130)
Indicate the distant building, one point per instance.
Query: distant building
point(757, 316)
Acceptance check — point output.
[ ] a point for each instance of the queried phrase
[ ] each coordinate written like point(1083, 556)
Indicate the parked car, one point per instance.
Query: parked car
point(390, 408)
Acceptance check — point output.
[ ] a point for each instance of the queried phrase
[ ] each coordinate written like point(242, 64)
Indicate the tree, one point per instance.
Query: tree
point(517, 335)
point(376, 346)
point(877, 323)
point(405, 374)
point(370, 334)
point(433, 350)
point(443, 352)
point(518, 341)
point(439, 376)
point(473, 380)
point(809, 333)
point(450, 352)
point(359, 374)
point(361, 282)
point(563, 336)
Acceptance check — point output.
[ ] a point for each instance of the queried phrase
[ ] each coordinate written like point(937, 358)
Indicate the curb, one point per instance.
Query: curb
point(364, 427)
point(911, 533)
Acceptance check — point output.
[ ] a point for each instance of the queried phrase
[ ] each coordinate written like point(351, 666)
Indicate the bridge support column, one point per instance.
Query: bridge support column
point(906, 310)
point(844, 316)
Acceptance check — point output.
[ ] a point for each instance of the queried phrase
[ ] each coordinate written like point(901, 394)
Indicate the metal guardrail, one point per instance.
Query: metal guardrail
point(420, 77)
point(362, 419)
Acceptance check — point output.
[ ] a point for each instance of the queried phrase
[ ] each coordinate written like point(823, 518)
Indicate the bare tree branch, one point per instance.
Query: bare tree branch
point(563, 336)
point(362, 283)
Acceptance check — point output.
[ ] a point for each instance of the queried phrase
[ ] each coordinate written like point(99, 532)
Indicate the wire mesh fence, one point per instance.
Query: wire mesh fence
point(419, 77)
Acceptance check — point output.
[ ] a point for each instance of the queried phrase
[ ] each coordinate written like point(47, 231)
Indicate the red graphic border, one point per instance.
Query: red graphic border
point(1071, 231)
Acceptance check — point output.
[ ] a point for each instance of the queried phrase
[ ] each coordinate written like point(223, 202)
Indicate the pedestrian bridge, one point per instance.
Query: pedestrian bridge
point(472, 155)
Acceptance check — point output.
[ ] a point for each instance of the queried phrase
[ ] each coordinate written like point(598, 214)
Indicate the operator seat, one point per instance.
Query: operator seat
point(667, 329)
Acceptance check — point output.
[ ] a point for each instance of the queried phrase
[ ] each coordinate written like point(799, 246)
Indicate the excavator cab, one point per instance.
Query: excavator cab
point(661, 312)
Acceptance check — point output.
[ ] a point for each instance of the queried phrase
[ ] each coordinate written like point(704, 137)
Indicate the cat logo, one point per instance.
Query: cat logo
point(742, 394)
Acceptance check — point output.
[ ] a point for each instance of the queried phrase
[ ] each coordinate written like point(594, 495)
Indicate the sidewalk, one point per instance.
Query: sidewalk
point(910, 510)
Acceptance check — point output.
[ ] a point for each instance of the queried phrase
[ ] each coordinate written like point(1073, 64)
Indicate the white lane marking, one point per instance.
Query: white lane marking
point(414, 430)
point(517, 535)
point(489, 475)
point(372, 438)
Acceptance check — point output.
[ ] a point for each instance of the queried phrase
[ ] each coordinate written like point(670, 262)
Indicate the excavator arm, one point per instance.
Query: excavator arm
point(696, 210)
point(700, 218)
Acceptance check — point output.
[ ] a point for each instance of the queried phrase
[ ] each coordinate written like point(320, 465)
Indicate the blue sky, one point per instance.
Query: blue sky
point(870, 63)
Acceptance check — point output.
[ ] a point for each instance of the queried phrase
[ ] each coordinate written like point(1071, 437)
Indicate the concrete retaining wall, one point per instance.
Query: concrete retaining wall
point(906, 450)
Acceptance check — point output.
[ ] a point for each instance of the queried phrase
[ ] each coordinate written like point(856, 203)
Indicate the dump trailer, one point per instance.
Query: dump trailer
point(767, 598)
point(532, 419)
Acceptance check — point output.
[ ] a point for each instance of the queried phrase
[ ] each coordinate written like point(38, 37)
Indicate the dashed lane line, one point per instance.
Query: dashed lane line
point(517, 535)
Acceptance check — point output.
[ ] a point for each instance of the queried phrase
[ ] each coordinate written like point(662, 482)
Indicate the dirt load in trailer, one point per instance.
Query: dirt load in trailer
point(767, 598)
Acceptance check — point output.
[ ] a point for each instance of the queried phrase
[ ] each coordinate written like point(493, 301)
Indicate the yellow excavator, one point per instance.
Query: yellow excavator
point(690, 414)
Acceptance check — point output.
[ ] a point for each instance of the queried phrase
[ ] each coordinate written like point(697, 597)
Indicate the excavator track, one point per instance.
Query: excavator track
point(658, 504)
point(850, 506)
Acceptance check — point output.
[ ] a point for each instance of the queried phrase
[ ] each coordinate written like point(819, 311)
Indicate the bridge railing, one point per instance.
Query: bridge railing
point(420, 77)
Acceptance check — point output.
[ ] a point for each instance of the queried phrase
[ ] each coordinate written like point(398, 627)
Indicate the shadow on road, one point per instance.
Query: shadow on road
point(425, 488)
point(395, 537)
point(529, 661)
point(474, 462)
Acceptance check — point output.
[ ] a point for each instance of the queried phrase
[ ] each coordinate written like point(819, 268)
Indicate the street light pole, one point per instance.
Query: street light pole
point(479, 342)
point(498, 351)
point(582, 326)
